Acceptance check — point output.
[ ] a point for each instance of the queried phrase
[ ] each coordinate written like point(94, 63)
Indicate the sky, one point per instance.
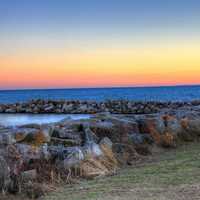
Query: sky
point(99, 43)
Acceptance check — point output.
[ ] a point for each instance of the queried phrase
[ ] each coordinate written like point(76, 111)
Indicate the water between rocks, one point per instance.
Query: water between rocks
point(22, 119)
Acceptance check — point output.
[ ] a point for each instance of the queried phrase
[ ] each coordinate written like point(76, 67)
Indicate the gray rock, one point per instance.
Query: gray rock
point(10, 110)
point(1, 109)
point(66, 133)
point(89, 136)
point(49, 108)
point(83, 108)
point(106, 141)
point(4, 175)
point(92, 150)
point(74, 157)
point(194, 126)
point(28, 152)
point(174, 127)
point(7, 138)
point(138, 138)
point(66, 157)
point(67, 108)
point(160, 125)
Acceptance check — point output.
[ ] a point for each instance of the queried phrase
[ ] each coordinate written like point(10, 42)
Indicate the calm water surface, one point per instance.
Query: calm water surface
point(176, 93)
point(22, 119)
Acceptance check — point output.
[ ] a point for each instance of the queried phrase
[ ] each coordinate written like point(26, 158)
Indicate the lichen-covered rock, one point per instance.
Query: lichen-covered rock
point(163, 129)
point(173, 125)
point(33, 136)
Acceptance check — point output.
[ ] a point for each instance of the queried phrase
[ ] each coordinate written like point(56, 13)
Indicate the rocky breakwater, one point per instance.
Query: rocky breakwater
point(35, 157)
point(91, 107)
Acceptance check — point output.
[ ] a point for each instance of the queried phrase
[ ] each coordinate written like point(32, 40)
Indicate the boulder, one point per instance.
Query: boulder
point(25, 134)
point(4, 175)
point(72, 157)
point(92, 150)
point(66, 157)
point(89, 135)
point(28, 152)
point(67, 108)
point(67, 133)
point(163, 129)
point(64, 142)
point(107, 142)
point(138, 138)
point(104, 129)
point(7, 138)
point(172, 125)
point(81, 108)
point(33, 136)
point(49, 108)
point(10, 110)
point(190, 129)
point(1, 109)
point(194, 127)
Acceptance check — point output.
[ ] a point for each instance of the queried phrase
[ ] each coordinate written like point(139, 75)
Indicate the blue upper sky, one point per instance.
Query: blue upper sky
point(24, 22)
point(87, 15)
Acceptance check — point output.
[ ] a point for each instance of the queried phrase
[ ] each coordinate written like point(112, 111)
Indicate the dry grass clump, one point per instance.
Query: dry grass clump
point(99, 166)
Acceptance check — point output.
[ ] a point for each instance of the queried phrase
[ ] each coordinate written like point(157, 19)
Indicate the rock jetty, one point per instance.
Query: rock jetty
point(91, 107)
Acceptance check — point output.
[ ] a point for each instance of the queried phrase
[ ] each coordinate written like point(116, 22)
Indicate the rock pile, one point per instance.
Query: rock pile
point(32, 155)
point(91, 107)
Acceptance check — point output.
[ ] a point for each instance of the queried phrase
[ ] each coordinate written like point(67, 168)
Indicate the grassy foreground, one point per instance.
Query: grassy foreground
point(171, 175)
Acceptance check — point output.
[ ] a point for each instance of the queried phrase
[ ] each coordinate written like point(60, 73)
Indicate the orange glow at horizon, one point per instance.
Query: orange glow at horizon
point(144, 66)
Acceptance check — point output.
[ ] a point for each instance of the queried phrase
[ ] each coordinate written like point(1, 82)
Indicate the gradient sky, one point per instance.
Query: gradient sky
point(99, 43)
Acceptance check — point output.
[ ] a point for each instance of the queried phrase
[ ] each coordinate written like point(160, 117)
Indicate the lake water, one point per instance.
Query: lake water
point(22, 119)
point(175, 93)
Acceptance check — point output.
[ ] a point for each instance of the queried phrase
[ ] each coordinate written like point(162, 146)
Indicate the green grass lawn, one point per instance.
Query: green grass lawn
point(173, 174)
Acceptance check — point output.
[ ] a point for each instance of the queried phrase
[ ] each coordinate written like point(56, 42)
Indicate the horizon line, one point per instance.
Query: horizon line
point(101, 87)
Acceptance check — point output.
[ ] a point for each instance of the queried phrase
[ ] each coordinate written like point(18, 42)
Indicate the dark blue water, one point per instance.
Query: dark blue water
point(175, 93)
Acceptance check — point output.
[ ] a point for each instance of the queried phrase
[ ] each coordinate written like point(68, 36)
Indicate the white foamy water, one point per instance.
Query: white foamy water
point(22, 119)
